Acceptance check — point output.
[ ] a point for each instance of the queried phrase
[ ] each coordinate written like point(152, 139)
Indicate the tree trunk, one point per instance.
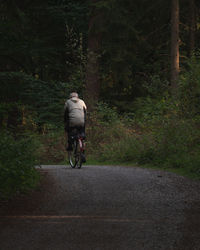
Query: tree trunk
point(174, 45)
point(92, 69)
point(192, 17)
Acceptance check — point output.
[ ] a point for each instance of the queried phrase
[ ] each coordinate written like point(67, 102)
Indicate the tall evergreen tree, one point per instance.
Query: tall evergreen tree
point(92, 68)
point(192, 26)
point(174, 45)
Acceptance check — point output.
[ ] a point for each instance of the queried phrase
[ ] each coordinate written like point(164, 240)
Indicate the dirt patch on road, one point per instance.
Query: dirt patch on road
point(31, 202)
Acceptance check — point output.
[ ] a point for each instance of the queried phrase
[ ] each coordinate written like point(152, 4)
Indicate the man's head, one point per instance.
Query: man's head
point(73, 95)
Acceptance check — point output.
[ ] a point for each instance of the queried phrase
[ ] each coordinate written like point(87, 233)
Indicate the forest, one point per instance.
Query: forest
point(136, 64)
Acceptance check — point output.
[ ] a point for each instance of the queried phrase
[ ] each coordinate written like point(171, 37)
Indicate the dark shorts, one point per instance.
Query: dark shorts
point(74, 131)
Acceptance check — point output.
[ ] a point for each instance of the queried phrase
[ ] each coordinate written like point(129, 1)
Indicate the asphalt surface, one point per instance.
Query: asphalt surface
point(104, 208)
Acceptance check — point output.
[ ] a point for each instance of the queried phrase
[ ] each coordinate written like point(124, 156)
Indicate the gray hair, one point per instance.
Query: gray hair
point(73, 94)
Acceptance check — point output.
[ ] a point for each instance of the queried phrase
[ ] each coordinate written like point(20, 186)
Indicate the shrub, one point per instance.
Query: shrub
point(103, 126)
point(53, 145)
point(190, 88)
point(150, 111)
point(171, 142)
point(18, 159)
point(177, 143)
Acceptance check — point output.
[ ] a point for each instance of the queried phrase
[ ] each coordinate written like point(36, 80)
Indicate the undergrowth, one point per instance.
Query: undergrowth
point(18, 158)
point(168, 141)
point(160, 131)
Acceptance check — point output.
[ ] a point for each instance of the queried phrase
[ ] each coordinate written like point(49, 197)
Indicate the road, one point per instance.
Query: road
point(104, 208)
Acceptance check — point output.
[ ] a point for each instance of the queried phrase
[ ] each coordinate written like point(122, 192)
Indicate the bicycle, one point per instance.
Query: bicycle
point(76, 156)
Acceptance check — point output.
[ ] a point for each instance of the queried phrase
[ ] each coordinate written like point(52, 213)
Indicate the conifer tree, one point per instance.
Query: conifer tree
point(174, 45)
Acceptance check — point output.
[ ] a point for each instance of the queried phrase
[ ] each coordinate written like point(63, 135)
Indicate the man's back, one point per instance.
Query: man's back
point(75, 111)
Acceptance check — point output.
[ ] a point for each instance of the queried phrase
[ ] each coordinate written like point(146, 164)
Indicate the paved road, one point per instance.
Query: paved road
point(104, 208)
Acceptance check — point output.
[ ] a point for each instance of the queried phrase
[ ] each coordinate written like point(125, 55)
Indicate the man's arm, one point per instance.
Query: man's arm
point(66, 119)
point(85, 114)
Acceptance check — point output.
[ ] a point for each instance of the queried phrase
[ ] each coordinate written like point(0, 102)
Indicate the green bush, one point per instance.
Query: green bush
point(103, 126)
point(130, 149)
point(18, 159)
point(171, 142)
point(152, 111)
point(190, 88)
point(106, 114)
point(53, 145)
point(178, 143)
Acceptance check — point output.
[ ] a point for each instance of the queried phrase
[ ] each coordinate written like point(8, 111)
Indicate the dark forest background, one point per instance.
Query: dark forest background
point(136, 64)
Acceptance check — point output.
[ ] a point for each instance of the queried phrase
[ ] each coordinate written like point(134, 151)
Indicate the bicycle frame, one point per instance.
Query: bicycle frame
point(81, 144)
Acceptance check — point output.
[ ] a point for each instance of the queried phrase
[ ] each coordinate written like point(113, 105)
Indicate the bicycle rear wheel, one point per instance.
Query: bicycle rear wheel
point(79, 154)
point(73, 160)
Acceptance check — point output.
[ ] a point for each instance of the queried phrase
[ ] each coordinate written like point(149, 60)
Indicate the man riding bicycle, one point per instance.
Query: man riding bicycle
point(74, 117)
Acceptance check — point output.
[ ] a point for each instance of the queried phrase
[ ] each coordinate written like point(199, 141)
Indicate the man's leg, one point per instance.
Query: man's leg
point(82, 132)
point(70, 140)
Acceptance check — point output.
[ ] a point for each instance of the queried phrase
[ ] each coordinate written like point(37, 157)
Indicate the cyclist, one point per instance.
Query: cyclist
point(74, 118)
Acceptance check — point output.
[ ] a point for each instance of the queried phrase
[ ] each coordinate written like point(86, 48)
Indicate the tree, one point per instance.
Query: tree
point(135, 46)
point(192, 26)
point(39, 52)
point(92, 68)
point(174, 45)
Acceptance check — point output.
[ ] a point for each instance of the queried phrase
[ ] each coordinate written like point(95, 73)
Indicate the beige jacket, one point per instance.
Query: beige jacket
point(75, 109)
